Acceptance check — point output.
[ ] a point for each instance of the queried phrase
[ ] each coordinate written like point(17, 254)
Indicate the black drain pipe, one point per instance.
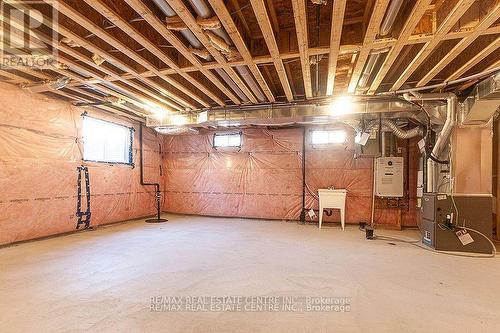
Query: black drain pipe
point(158, 219)
point(303, 211)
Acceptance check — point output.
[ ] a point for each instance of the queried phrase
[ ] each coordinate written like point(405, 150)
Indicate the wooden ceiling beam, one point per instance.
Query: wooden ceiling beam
point(241, 17)
point(371, 32)
point(454, 15)
point(321, 50)
point(42, 76)
point(272, 15)
point(265, 26)
point(266, 59)
point(127, 28)
point(99, 88)
point(466, 85)
point(338, 13)
point(161, 28)
point(300, 18)
point(108, 38)
point(482, 54)
point(487, 21)
point(92, 48)
point(414, 18)
point(117, 44)
point(221, 11)
point(183, 12)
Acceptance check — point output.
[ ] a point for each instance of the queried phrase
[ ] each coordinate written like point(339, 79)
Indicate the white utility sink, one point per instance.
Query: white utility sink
point(332, 199)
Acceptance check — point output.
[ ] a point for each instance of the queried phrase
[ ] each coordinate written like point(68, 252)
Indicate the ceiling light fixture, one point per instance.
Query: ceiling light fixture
point(341, 105)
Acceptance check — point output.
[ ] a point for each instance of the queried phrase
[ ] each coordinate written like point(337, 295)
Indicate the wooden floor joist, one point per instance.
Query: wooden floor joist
point(300, 17)
point(19, 79)
point(92, 48)
point(183, 12)
point(414, 18)
point(371, 32)
point(161, 28)
point(482, 54)
point(466, 85)
point(41, 39)
point(453, 16)
point(265, 26)
point(149, 64)
point(486, 22)
point(126, 27)
point(225, 17)
point(344, 49)
point(335, 36)
point(117, 44)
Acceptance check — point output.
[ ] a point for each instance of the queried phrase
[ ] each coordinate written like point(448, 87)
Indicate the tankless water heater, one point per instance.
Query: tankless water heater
point(389, 177)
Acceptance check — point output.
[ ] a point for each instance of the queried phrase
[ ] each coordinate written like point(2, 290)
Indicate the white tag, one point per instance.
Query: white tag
point(441, 197)
point(421, 145)
point(464, 237)
point(312, 214)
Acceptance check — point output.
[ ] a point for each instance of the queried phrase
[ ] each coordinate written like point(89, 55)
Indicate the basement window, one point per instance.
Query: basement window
point(227, 140)
point(324, 137)
point(106, 142)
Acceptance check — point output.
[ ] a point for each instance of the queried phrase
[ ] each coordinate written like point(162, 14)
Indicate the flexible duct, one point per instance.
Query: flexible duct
point(391, 126)
point(442, 139)
point(400, 133)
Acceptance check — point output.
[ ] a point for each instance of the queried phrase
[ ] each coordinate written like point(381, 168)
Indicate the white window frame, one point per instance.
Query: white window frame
point(106, 141)
point(228, 137)
point(323, 137)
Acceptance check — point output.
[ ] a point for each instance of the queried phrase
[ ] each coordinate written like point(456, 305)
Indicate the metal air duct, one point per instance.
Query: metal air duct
point(444, 134)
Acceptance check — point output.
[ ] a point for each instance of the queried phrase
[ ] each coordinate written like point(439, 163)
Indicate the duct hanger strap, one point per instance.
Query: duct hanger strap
point(83, 217)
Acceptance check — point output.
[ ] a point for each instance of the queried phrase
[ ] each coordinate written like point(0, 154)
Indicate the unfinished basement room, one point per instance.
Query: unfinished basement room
point(249, 166)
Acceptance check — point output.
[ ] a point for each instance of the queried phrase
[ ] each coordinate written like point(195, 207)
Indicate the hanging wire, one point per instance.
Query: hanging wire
point(137, 19)
point(241, 8)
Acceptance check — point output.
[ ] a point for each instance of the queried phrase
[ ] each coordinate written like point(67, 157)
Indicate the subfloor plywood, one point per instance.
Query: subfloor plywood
point(103, 280)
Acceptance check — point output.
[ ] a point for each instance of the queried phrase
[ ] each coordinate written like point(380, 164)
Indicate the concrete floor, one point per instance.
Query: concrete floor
point(103, 280)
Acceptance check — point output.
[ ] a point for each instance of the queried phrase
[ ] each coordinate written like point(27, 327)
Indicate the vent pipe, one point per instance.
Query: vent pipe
point(444, 135)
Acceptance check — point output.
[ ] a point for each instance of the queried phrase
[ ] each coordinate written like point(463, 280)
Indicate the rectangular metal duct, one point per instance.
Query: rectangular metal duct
point(483, 102)
point(274, 115)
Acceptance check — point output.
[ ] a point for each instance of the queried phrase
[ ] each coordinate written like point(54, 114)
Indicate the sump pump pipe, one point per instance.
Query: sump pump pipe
point(158, 218)
point(444, 135)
